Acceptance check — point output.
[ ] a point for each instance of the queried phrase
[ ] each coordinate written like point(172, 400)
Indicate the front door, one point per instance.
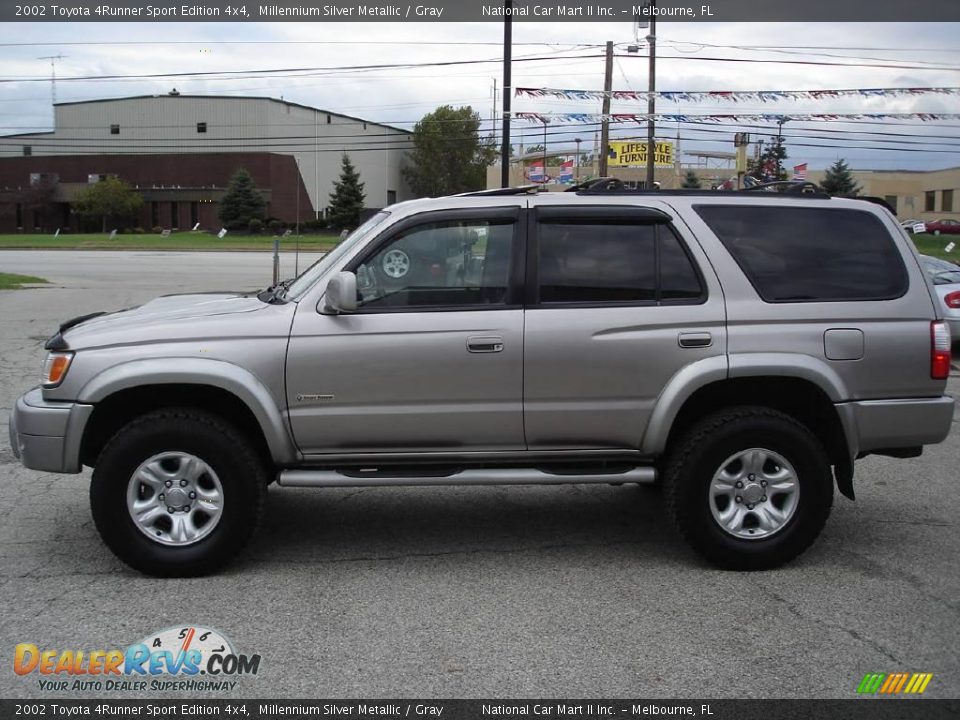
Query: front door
point(432, 360)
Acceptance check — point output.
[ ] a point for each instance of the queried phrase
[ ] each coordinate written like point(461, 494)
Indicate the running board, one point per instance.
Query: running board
point(477, 476)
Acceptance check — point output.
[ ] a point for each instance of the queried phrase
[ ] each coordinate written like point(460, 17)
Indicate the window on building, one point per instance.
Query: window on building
point(794, 254)
point(201, 127)
point(114, 129)
point(154, 214)
point(391, 197)
point(946, 200)
point(329, 119)
point(175, 215)
point(19, 216)
point(27, 150)
point(929, 201)
point(892, 202)
point(194, 214)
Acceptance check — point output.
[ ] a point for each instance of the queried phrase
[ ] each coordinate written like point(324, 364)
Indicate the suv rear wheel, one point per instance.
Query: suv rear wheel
point(749, 488)
point(177, 492)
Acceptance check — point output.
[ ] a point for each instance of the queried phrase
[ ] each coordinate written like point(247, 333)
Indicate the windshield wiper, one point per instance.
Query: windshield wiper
point(274, 294)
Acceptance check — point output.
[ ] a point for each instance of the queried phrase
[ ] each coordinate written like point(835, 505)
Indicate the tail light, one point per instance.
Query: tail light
point(952, 300)
point(939, 350)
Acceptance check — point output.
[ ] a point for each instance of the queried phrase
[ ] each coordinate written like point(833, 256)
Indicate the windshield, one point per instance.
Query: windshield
point(308, 277)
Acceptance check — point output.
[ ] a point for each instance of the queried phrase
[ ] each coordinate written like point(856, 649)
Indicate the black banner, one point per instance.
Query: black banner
point(473, 11)
point(854, 709)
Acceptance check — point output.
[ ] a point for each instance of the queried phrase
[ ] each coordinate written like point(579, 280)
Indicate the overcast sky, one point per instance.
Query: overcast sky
point(401, 96)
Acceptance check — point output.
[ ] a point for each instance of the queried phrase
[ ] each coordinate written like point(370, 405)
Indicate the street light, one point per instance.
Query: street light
point(578, 141)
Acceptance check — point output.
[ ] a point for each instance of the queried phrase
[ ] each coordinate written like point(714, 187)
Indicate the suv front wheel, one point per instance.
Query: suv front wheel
point(177, 492)
point(749, 488)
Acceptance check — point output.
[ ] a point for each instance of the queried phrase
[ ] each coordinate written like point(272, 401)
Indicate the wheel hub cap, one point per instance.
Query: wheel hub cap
point(175, 498)
point(754, 494)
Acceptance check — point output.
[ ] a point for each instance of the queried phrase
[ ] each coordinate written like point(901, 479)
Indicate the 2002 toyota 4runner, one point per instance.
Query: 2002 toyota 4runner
point(744, 348)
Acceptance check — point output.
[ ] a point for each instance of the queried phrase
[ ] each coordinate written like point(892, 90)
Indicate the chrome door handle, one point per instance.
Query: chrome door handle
point(695, 340)
point(490, 344)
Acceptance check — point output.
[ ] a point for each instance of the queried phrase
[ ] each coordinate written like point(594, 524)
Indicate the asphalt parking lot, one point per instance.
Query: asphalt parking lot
point(571, 591)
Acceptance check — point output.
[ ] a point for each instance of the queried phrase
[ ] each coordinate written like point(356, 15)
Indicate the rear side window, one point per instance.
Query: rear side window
point(797, 254)
point(597, 261)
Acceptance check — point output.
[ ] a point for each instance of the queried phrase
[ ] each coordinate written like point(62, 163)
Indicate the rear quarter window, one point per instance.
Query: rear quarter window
point(816, 254)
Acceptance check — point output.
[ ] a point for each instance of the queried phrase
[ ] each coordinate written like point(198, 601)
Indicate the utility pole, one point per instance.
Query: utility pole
point(780, 123)
point(544, 152)
point(507, 92)
point(605, 111)
point(578, 141)
point(651, 97)
point(53, 80)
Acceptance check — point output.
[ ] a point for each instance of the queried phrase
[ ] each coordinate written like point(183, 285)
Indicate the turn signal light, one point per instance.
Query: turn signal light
point(55, 368)
point(953, 300)
point(939, 350)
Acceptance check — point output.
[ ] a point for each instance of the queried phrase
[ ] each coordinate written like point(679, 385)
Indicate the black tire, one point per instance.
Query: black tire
point(703, 450)
point(226, 450)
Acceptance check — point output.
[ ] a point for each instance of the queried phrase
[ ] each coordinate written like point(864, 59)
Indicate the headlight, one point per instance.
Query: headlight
point(55, 368)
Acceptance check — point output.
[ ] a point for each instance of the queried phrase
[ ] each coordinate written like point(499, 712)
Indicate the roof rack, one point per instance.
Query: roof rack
point(615, 186)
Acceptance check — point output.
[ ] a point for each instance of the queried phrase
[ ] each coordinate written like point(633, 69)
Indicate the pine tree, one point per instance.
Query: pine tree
point(242, 202)
point(838, 180)
point(691, 181)
point(346, 200)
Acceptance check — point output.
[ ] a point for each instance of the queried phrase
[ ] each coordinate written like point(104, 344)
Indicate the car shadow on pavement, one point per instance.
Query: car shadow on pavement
point(351, 524)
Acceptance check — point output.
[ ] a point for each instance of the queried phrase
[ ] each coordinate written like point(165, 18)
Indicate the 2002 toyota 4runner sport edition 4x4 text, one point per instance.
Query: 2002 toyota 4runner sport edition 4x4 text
point(743, 348)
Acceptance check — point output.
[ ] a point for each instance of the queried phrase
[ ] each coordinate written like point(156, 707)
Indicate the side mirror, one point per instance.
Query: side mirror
point(341, 295)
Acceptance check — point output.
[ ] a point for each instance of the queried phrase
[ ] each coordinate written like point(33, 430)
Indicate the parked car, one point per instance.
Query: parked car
point(908, 224)
point(742, 348)
point(947, 226)
point(946, 281)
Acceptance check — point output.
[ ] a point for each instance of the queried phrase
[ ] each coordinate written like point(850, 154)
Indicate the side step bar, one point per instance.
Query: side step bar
point(473, 476)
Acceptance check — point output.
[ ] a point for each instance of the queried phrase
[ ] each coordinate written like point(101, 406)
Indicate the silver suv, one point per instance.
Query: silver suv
point(742, 349)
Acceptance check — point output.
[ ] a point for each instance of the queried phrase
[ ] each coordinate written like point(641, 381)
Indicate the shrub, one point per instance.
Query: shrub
point(255, 226)
point(157, 230)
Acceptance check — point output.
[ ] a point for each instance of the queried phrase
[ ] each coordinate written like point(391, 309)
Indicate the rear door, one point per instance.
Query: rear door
point(618, 302)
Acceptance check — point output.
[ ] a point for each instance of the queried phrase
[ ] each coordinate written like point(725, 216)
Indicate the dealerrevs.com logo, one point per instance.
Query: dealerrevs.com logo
point(188, 658)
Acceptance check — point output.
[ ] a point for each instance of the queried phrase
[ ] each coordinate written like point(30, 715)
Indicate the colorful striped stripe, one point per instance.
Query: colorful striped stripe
point(894, 683)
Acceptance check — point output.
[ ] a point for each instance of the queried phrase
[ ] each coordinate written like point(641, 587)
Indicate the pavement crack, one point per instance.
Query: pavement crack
point(796, 612)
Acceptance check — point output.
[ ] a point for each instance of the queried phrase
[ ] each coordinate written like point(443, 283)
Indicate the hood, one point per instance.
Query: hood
point(172, 317)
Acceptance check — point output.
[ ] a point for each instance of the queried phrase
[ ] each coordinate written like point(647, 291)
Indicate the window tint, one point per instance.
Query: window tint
point(596, 261)
point(796, 254)
point(451, 263)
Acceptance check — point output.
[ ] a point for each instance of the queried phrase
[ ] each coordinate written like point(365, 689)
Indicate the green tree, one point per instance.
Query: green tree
point(109, 199)
point(346, 200)
point(242, 202)
point(838, 180)
point(691, 181)
point(449, 155)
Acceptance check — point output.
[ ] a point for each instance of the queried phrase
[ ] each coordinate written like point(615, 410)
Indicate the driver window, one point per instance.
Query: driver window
point(449, 263)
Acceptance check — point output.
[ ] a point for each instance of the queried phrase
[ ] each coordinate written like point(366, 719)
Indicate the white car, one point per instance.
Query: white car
point(946, 281)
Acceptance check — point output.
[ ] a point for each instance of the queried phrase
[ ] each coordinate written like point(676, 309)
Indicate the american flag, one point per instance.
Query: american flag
point(800, 172)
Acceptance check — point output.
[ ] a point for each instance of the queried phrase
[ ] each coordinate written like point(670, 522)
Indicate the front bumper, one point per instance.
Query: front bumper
point(46, 435)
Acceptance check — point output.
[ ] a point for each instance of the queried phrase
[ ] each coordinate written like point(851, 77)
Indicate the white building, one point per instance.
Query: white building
point(202, 124)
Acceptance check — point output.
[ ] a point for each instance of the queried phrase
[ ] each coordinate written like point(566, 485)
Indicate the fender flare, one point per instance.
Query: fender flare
point(699, 374)
point(226, 376)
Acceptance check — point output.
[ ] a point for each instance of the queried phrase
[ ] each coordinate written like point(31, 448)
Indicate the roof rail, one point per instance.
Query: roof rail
point(519, 190)
point(788, 187)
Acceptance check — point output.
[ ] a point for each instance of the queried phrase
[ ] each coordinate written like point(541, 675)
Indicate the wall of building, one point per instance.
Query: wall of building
point(168, 124)
point(178, 190)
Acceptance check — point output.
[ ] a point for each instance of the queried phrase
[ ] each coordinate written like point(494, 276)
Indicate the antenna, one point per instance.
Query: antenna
point(53, 79)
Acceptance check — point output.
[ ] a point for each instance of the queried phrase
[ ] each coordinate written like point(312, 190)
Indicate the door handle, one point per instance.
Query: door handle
point(695, 340)
point(488, 344)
